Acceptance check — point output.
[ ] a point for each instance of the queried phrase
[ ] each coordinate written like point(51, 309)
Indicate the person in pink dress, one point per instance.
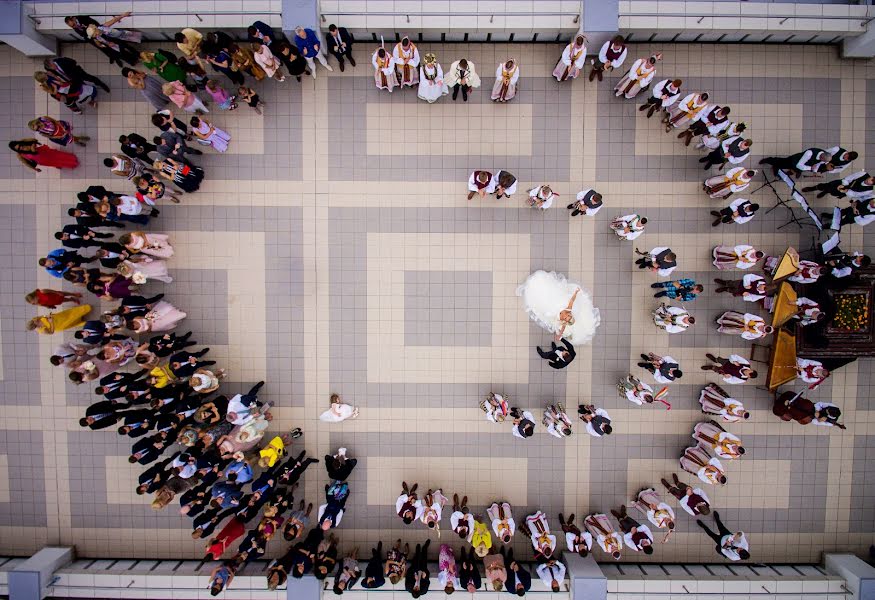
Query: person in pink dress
point(33, 155)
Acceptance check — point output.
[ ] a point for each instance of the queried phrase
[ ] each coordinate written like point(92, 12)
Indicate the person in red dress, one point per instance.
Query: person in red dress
point(52, 298)
point(33, 155)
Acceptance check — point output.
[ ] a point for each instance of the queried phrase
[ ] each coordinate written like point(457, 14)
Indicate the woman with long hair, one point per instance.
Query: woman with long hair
point(33, 155)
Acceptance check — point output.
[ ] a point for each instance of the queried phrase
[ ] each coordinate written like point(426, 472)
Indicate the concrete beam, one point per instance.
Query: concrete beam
point(585, 577)
point(599, 22)
point(17, 30)
point(305, 588)
point(858, 575)
point(31, 579)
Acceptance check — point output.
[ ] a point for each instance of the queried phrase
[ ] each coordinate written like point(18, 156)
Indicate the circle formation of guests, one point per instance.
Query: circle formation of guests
point(172, 396)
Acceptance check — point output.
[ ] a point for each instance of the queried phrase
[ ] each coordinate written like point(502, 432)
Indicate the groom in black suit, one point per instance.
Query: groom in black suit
point(339, 42)
point(558, 357)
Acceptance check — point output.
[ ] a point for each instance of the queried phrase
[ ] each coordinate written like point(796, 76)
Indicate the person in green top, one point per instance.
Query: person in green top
point(163, 64)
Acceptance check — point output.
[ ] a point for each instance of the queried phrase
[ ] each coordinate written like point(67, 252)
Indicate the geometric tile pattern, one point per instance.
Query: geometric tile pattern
point(332, 250)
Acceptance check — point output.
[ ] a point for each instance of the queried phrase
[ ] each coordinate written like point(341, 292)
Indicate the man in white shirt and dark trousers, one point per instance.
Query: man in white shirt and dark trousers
point(733, 546)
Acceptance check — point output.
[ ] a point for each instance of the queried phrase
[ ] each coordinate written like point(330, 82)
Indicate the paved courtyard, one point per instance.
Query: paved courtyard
point(332, 250)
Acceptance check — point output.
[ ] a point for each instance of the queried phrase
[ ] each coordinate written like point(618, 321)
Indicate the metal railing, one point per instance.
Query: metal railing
point(491, 15)
point(783, 18)
point(35, 17)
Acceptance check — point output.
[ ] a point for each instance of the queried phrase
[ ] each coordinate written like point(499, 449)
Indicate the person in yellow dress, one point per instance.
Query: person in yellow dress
point(59, 321)
point(481, 540)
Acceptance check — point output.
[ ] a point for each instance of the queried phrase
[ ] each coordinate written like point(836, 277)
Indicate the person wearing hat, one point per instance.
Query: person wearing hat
point(431, 80)
point(406, 58)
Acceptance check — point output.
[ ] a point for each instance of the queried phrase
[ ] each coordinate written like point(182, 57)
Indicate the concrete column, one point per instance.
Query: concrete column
point(30, 580)
point(19, 32)
point(599, 22)
point(861, 46)
point(585, 577)
point(301, 12)
point(859, 576)
point(305, 588)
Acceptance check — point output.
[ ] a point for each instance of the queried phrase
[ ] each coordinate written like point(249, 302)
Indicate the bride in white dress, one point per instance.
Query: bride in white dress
point(560, 306)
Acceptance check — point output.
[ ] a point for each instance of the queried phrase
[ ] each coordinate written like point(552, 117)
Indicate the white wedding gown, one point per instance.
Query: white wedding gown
point(545, 295)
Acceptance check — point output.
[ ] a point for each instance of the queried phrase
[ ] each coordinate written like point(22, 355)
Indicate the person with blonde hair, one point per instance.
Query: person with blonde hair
point(57, 131)
point(69, 318)
point(52, 298)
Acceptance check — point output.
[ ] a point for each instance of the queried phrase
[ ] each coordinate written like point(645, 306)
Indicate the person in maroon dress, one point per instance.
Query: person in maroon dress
point(34, 155)
point(52, 298)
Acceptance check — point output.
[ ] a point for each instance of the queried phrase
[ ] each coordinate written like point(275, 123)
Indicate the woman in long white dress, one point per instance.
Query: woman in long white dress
point(145, 269)
point(560, 306)
point(431, 80)
point(339, 411)
point(153, 244)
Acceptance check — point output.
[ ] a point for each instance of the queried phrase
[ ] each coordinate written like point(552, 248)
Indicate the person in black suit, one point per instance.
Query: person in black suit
point(417, 580)
point(339, 466)
point(519, 581)
point(558, 357)
point(80, 236)
point(339, 42)
point(136, 146)
point(103, 414)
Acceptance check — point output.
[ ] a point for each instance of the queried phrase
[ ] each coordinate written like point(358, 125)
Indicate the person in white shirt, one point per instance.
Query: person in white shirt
point(542, 197)
point(406, 505)
point(734, 370)
point(503, 525)
point(543, 541)
point(733, 150)
point(751, 287)
point(478, 183)
point(577, 541)
point(611, 56)
point(598, 421)
point(747, 325)
point(496, 407)
point(406, 58)
point(717, 401)
point(657, 512)
point(502, 184)
point(506, 77)
point(697, 461)
point(462, 76)
point(430, 508)
point(588, 202)
point(636, 536)
point(628, 227)
point(740, 211)
point(672, 319)
point(661, 259)
point(431, 80)
point(719, 441)
point(665, 369)
point(733, 546)
point(859, 186)
point(841, 158)
point(384, 70)
point(664, 94)
point(638, 78)
point(462, 521)
point(602, 530)
point(635, 390)
point(733, 181)
point(556, 421)
point(740, 256)
point(572, 59)
point(693, 500)
point(686, 111)
point(523, 423)
point(552, 573)
point(714, 142)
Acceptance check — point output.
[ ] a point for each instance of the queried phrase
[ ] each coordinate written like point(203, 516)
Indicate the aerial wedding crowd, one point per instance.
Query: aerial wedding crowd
point(209, 453)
